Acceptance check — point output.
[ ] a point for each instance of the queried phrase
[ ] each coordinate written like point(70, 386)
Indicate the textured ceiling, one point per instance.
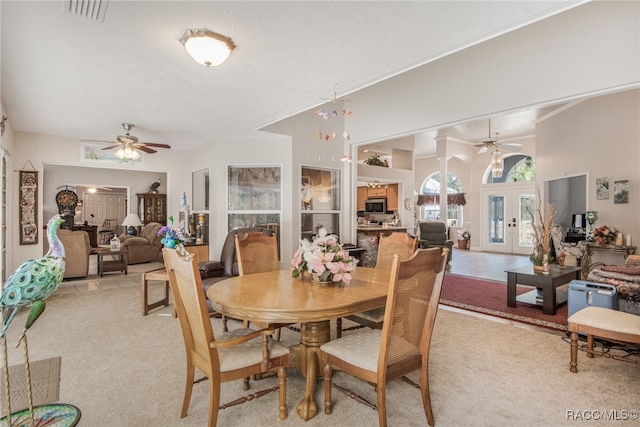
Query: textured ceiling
point(71, 76)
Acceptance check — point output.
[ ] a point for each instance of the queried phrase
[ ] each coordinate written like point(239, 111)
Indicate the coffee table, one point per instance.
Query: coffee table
point(119, 263)
point(546, 282)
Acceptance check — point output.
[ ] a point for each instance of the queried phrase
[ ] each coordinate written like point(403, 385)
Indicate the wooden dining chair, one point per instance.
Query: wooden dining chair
point(395, 243)
point(232, 355)
point(402, 345)
point(258, 253)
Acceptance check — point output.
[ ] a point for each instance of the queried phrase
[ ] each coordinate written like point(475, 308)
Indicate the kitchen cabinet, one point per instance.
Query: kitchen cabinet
point(376, 192)
point(362, 197)
point(390, 192)
point(392, 197)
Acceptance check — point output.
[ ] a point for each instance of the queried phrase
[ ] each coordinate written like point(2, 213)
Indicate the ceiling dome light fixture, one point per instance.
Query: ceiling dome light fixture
point(206, 47)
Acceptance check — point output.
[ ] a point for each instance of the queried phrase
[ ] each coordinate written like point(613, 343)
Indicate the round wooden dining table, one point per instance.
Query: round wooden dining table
point(276, 297)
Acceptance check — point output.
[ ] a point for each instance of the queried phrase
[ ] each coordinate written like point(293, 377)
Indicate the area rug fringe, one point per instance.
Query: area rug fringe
point(515, 317)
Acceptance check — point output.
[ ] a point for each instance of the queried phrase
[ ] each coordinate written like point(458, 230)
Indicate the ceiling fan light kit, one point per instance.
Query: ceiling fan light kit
point(497, 164)
point(206, 47)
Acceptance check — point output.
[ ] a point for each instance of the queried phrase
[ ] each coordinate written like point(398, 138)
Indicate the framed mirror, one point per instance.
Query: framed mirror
point(200, 190)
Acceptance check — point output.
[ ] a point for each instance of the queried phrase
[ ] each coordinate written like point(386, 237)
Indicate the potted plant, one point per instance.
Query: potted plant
point(463, 238)
point(374, 160)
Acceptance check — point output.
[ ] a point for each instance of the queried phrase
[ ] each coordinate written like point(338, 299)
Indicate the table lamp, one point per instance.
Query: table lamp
point(131, 222)
point(591, 217)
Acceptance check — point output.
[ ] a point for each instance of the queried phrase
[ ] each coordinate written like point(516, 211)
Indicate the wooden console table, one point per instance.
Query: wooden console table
point(92, 231)
point(591, 247)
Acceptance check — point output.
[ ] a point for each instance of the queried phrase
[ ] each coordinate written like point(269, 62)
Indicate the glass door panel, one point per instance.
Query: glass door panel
point(507, 224)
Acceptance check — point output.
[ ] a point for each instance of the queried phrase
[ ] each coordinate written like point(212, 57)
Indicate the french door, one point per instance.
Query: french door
point(507, 222)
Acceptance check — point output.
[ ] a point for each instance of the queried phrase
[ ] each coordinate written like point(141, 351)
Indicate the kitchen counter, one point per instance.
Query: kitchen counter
point(376, 230)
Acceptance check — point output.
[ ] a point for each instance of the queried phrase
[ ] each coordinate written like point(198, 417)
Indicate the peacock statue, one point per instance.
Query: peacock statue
point(29, 286)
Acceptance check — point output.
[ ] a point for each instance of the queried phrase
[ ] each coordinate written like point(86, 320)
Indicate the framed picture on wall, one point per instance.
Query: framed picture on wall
point(621, 191)
point(28, 207)
point(602, 188)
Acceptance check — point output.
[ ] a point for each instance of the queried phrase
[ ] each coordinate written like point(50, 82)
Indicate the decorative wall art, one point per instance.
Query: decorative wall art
point(90, 153)
point(602, 188)
point(621, 191)
point(28, 207)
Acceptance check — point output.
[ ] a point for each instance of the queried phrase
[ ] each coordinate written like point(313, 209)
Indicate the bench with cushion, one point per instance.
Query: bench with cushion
point(602, 323)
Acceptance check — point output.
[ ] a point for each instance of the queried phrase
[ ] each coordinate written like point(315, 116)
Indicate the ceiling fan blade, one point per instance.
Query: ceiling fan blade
point(153, 144)
point(109, 147)
point(145, 149)
point(98, 140)
point(512, 144)
point(483, 150)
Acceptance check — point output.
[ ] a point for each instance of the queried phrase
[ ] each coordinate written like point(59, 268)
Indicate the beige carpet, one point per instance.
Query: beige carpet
point(123, 369)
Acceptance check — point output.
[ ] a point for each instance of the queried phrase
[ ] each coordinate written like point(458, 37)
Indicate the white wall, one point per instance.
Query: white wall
point(258, 150)
point(591, 48)
point(601, 137)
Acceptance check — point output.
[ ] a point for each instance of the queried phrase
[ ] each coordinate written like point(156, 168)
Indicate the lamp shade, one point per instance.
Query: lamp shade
point(132, 220)
point(206, 47)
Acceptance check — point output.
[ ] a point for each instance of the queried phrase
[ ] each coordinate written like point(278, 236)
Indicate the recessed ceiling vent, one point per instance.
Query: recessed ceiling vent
point(91, 9)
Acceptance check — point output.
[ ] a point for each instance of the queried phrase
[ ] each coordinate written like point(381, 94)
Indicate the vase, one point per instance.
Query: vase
point(462, 244)
point(538, 268)
point(316, 279)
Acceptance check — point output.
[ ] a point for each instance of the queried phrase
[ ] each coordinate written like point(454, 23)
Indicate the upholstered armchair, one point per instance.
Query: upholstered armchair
point(77, 248)
point(146, 246)
point(434, 234)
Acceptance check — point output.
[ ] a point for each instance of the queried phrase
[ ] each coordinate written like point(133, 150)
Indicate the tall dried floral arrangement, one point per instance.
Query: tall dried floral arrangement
point(541, 227)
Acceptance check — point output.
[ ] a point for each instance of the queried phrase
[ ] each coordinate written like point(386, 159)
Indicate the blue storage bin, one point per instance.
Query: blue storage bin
point(584, 294)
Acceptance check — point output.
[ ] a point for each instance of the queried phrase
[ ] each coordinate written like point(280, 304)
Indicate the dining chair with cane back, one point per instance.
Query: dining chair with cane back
point(258, 253)
point(379, 356)
point(233, 355)
point(394, 243)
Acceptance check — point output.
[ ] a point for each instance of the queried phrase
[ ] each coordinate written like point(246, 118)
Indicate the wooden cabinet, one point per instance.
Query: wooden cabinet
point(392, 197)
point(390, 192)
point(362, 197)
point(377, 192)
point(152, 208)
point(200, 251)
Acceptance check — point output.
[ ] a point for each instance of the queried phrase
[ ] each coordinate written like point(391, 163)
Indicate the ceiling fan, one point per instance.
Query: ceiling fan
point(128, 144)
point(491, 142)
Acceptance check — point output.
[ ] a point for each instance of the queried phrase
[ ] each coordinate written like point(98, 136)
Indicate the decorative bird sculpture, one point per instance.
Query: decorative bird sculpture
point(29, 285)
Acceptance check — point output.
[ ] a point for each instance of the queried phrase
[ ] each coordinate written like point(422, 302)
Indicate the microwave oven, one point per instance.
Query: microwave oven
point(375, 206)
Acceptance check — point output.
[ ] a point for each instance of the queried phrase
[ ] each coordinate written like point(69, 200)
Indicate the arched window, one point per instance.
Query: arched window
point(517, 168)
point(430, 208)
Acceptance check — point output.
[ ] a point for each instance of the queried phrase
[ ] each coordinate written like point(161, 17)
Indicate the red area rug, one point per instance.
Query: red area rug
point(490, 297)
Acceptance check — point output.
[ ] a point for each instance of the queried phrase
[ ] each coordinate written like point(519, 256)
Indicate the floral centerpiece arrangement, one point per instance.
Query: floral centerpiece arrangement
point(323, 259)
point(170, 236)
point(605, 235)
point(541, 227)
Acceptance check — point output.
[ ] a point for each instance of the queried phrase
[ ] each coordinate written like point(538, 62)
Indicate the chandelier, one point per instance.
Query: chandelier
point(497, 164)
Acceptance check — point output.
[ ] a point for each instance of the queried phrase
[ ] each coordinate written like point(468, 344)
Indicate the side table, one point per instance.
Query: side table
point(119, 263)
point(160, 275)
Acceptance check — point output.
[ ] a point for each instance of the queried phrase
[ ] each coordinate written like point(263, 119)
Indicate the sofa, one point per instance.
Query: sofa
point(145, 247)
point(77, 248)
point(625, 278)
point(433, 234)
